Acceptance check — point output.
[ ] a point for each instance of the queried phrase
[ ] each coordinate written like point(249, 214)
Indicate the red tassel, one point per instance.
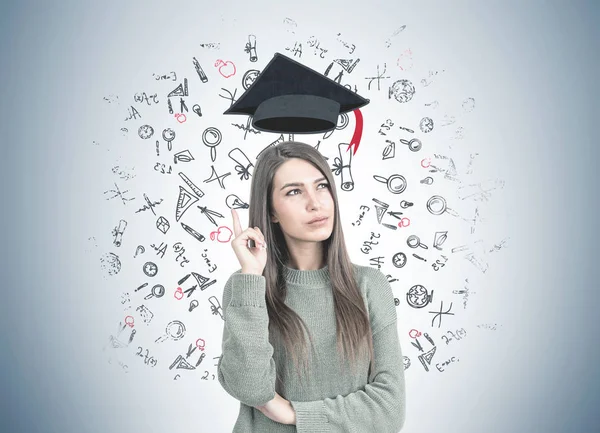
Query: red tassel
point(357, 131)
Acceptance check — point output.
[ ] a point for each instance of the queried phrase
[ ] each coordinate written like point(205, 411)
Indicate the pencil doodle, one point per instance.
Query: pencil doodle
point(199, 70)
point(196, 235)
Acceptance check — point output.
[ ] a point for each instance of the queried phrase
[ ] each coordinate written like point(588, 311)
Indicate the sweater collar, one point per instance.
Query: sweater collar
point(313, 278)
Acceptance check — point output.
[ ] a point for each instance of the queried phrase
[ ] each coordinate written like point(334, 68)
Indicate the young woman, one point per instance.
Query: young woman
point(296, 275)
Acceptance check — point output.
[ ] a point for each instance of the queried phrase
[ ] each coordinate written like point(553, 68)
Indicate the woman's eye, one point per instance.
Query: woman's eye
point(326, 184)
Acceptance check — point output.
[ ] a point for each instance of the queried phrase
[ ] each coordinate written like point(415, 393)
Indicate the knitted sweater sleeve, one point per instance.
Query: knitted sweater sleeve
point(380, 406)
point(246, 369)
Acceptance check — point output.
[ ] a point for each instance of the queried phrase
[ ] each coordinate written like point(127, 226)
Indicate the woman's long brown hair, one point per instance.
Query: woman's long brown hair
point(352, 319)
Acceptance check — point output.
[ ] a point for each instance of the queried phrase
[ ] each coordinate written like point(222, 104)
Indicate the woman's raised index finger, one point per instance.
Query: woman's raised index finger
point(237, 228)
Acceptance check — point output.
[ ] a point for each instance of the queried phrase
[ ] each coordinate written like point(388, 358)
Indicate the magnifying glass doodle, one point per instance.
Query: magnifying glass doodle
point(175, 330)
point(396, 183)
point(157, 291)
point(436, 205)
point(413, 241)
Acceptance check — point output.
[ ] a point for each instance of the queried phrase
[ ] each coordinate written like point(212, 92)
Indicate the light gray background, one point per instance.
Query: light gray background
point(532, 68)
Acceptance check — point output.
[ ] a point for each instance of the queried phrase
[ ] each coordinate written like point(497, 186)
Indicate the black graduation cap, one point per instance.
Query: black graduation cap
point(289, 97)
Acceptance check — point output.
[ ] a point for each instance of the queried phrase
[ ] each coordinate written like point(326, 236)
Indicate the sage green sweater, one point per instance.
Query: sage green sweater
point(334, 400)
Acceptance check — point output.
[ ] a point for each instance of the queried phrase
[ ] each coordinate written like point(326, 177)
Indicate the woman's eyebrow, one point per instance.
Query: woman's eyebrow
point(300, 183)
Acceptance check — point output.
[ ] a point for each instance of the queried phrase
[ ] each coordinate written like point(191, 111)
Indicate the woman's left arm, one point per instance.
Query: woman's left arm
point(380, 407)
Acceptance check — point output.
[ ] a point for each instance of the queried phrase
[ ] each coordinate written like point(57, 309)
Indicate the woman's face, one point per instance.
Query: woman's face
point(309, 196)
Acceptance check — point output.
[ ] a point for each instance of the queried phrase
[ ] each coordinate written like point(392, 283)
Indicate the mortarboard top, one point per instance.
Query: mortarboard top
point(289, 97)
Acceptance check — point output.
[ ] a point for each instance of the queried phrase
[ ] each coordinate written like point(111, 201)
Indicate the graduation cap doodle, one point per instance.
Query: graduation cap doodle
point(289, 97)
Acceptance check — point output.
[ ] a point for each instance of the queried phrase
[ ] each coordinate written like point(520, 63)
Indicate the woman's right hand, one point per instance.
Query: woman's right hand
point(252, 260)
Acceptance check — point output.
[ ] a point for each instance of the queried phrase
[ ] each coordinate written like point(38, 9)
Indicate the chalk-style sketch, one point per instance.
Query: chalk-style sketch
point(227, 68)
point(175, 330)
point(396, 183)
point(436, 205)
point(234, 202)
point(118, 233)
point(211, 137)
point(214, 176)
point(414, 144)
point(110, 263)
point(439, 238)
point(243, 163)
point(117, 343)
point(209, 214)
point(378, 77)
point(180, 90)
point(168, 135)
point(426, 125)
point(183, 156)
point(402, 91)
point(388, 41)
point(163, 225)
point(118, 193)
point(149, 205)
point(200, 71)
point(196, 235)
point(215, 307)
point(250, 48)
point(145, 132)
point(418, 296)
point(399, 260)
point(342, 165)
point(438, 314)
point(158, 290)
point(184, 201)
point(150, 269)
point(413, 241)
